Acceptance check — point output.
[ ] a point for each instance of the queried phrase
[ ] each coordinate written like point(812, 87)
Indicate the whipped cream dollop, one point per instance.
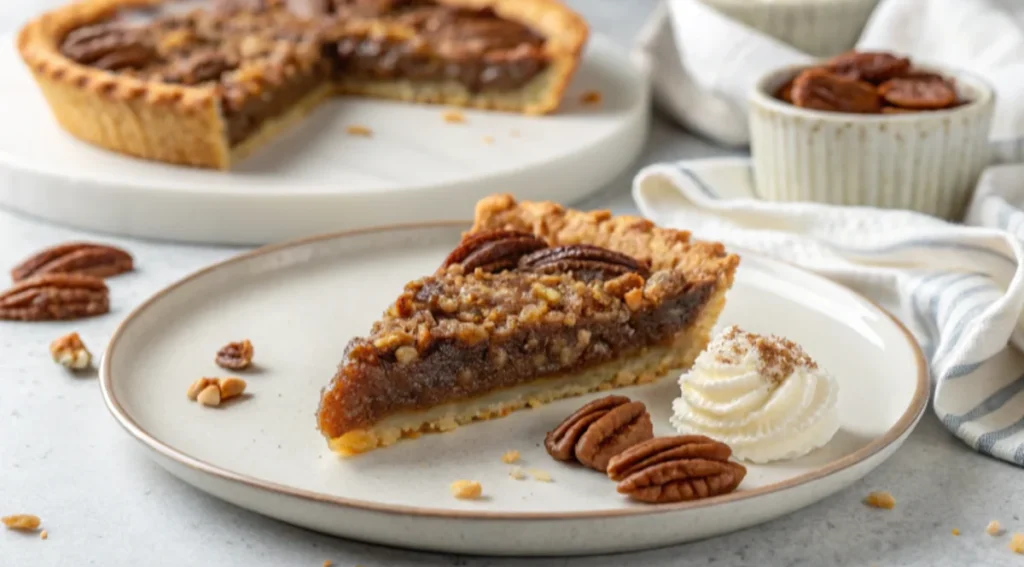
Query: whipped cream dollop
point(761, 395)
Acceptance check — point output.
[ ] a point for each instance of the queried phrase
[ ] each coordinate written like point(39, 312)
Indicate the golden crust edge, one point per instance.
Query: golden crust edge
point(680, 354)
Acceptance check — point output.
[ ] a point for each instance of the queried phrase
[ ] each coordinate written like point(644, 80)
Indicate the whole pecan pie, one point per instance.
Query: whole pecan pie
point(205, 82)
point(538, 302)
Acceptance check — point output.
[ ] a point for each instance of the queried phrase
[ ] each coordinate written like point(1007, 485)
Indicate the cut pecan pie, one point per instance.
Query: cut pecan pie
point(538, 302)
point(205, 82)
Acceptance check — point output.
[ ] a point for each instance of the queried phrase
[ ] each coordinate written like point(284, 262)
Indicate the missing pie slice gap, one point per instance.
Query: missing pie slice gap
point(537, 303)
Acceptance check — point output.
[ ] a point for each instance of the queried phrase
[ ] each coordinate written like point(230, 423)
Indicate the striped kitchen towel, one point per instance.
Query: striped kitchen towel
point(958, 288)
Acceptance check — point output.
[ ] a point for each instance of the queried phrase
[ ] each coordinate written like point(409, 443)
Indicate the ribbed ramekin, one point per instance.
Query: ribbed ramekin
point(922, 161)
point(821, 28)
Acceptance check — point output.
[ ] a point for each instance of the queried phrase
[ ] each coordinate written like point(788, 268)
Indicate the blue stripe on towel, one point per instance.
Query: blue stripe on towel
point(988, 440)
point(990, 404)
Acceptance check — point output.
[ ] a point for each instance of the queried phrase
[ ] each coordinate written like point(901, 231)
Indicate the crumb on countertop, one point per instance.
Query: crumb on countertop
point(24, 522)
point(1017, 543)
point(880, 499)
point(540, 475)
point(44, 534)
point(517, 473)
point(994, 528)
point(956, 531)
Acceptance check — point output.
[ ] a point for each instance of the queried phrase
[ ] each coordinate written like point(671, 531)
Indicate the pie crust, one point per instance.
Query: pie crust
point(185, 124)
point(677, 263)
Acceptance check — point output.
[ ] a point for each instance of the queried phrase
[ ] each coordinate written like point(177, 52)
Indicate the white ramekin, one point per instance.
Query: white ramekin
point(923, 161)
point(821, 28)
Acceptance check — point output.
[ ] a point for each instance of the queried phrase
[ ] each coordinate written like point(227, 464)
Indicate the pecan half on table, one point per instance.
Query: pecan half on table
point(676, 469)
point(55, 296)
point(600, 430)
point(96, 260)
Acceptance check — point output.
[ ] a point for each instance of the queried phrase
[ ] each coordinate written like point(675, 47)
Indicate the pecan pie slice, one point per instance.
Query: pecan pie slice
point(205, 82)
point(538, 302)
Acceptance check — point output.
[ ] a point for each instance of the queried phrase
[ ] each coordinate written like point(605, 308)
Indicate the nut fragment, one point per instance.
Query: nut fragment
point(493, 251)
point(600, 430)
point(880, 499)
point(198, 386)
point(587, 262)
point(49, 297)
point(235, 356)
point(24, 522)
point(873, 67)
point(466, 489)
point(818, 89)
point(919, 93)
point(209, 396)
point(70, 352)
point(676, 469)
point(97, 260)
point(230, 387)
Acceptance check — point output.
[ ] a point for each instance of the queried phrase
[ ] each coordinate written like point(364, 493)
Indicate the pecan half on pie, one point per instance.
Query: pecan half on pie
point(205, 82)
point(537, 303)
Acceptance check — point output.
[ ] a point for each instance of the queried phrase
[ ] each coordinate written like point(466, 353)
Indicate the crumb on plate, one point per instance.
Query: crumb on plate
point(540, 475)
point(510, 456)
point(466, 489)
point(517, 473)
point(359, 130)
point(453, 117)
point(591, 97)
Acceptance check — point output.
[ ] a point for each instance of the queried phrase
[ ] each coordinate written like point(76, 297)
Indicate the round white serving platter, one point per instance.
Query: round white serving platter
point(316, 178)
point(299, 303)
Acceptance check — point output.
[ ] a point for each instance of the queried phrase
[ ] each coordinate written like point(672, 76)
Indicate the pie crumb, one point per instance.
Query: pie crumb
point(956, 531)
point(540, 475)
point(488, 140)
point(591, 97)
point(514, 133)
point(466, 489)
point(44, 534)
point(357, 130)
point(453, 117)
point(1017, 543)
point(510, 457)
point(24, 522)
point(517, 473)
point(993, 528)
point(880, 499)
point(328, 563)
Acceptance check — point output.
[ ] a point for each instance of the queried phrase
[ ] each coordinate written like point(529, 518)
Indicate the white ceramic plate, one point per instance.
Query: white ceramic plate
point(316, 178)
point(301, 302)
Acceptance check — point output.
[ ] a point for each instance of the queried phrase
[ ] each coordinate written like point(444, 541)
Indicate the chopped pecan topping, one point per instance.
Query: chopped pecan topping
point(84, 258)
point(494, 251)
point(919, 93)
point(55, 296)
point(821, 90)
point(235, 356)
point(109, 46)
point(587, 262)
point(675, 469)
point(873, 67)
point(600, 430)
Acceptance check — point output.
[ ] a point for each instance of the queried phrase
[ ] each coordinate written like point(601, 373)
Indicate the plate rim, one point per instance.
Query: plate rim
point(903, 425)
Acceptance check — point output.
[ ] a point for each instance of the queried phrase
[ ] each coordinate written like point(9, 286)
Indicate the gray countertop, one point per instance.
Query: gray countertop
point(103, 502)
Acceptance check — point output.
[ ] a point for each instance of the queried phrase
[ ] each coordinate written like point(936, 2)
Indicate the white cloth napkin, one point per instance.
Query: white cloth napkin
point(703, 64)
point(959, 289)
